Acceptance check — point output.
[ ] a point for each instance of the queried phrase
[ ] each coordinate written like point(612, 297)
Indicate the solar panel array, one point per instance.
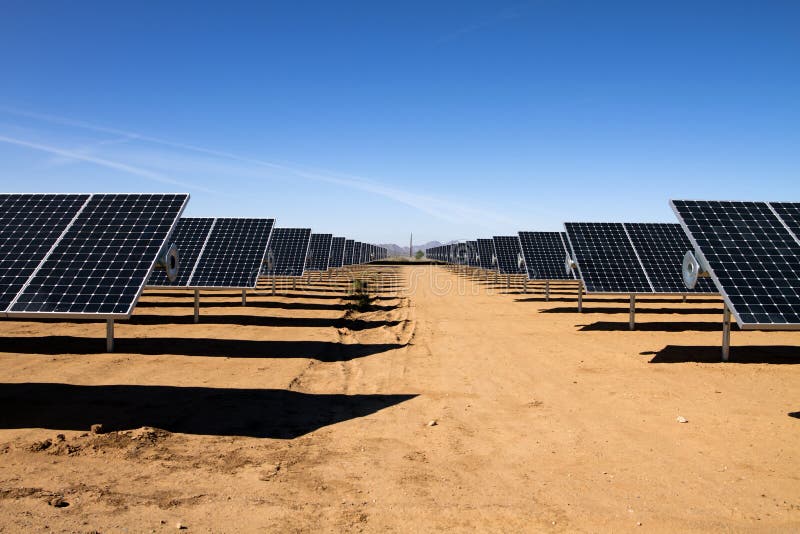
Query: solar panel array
point(319, 252)
point(288, 249)
point(189, 236)
point(544, 254)
point(67, 255)
point(486, 253)
point(347, 255)
point(753, 255)
point(660, 248)
point(606, 258)
point(337, 253)
point(630, 257)
point(507, 251)
point(218, 253)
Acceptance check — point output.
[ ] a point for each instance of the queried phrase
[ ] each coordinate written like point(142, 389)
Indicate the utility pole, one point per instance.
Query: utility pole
point(411, 246)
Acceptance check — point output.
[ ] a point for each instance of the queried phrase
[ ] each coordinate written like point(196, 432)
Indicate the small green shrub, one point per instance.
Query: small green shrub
point(360, 298)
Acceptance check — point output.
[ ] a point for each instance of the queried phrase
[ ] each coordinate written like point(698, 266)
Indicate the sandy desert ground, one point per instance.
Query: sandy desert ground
point(297, 414)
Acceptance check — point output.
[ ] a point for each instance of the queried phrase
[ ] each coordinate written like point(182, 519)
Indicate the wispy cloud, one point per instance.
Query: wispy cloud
point(507, 13)
point(455, 212)
point(129, 169)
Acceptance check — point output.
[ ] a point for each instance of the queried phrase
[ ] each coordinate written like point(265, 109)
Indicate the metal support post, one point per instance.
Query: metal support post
point(547, 290)
point(196, 305)
point(726, 333)
point(109, 335)
point(580, 297)
point(632, 320)
point(273, 286)
point(244, 297)
point(525, 286)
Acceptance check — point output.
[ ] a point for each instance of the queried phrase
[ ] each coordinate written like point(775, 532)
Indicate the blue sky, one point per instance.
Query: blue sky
point(374, 119)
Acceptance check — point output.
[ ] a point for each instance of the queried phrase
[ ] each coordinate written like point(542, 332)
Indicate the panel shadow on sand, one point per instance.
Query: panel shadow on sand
point(260, 413)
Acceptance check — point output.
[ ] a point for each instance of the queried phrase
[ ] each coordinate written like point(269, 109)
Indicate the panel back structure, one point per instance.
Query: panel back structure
point(507, 251)
point(288, 249)
point(752, 253)
point(319, 252)
point(337, 253)
point(94, 257)
point(544, 254)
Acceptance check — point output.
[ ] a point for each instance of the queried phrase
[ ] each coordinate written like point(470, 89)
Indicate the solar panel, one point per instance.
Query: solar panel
point(753, 258)
point(29, 227)
point(789, 213)
point(189, 236)
point(507, 251)
point(660, 248)
point(357, 246)
point(288, 248)
point(337, 252)
point(233, 254)
point(544, 254)
point(347, 257)
point(606, 258)
point(486, 253)
point(472, 253)
point(319, 252)
point(103, 258)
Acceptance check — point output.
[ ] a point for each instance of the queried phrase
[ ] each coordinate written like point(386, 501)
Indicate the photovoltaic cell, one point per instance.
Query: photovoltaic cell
point(660, 248)
point(337, 252)
point(606, 258)
point(319, 252)
point(29, 227)
point(189, 236)
point(101, 262)
point(233, 254)
point(545, 253)
point(754, 260)
point(508, 251)
point(288, 248)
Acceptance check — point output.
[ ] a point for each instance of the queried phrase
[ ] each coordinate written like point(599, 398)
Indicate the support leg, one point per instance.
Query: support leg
point(632, 320)
point(273, 286)
point(726, 334)
point(508, 281)
point(244, 297)
point(196, 305)
point(547, 290)
point(294, 284)
point(525, 286)
point(684, 298)
point(580, 297)
point(110, 335)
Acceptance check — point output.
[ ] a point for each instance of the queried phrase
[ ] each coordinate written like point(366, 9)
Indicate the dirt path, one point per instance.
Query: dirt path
point(295, 414)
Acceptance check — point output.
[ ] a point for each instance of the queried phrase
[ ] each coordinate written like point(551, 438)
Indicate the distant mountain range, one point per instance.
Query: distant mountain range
point(397, 250)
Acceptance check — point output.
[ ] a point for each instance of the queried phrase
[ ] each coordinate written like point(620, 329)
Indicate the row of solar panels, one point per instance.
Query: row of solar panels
point(748, 252)
point(232, 252)
point(92, 254)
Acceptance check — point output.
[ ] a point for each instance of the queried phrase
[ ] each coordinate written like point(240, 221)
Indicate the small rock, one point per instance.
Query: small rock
point(432, 422)
point(60, 437)
point(682, 419)
point(638, 523)
point(96, 428)
point(58, 502)
point(180, 526)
